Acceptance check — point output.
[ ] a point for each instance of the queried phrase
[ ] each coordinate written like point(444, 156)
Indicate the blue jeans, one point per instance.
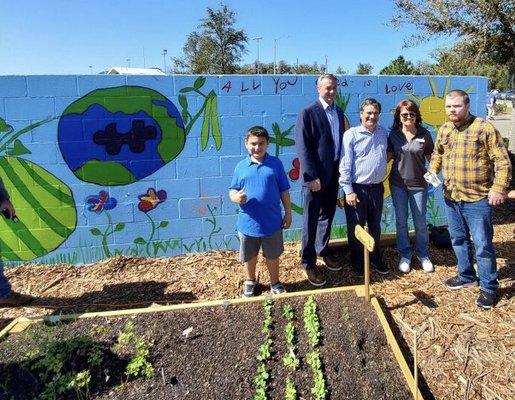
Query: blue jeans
point(473, 219)
point(5, 287)
point(417, 201)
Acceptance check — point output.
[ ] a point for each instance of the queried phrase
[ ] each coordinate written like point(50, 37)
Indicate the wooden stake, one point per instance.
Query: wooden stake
point(366, 257)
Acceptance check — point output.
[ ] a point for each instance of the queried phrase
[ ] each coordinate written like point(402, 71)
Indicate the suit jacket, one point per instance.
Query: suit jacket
point(315, 144)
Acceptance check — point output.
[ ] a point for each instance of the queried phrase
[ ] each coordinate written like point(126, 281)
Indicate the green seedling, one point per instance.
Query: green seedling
point(267, 321)
point(140, 348)
point(260, 381)
point(291, 392)
point(311, 322)
point(318, 390)
point(345, 314)
point(264, 350)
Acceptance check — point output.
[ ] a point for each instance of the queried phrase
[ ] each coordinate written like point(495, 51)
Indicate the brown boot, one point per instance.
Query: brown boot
point(16, 299)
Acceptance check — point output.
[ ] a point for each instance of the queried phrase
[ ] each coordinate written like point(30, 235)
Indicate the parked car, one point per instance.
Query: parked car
point(508, 94)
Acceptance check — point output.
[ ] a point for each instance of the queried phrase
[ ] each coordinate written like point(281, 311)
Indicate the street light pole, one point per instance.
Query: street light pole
point(275, 55)
point(258, 67)
point(164, 53)
point(128, 62)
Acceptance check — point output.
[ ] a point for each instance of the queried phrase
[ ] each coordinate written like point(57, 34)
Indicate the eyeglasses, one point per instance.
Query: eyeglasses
point(410, 114)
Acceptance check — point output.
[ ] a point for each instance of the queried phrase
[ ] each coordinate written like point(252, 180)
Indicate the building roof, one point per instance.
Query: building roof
point(134, 71)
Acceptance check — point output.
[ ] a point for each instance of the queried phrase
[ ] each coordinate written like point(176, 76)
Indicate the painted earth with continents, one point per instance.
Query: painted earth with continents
point(117, 136)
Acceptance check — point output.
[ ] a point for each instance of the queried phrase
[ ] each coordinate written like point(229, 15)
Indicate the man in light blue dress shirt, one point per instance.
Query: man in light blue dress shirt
point(362, 170)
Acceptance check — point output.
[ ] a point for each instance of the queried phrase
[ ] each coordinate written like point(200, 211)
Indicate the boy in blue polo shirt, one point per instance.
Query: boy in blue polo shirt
point(258, 185)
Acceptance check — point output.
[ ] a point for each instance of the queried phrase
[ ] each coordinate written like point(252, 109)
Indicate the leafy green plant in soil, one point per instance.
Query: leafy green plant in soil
point(139, 365)
point(264, 353)
point(312, 327)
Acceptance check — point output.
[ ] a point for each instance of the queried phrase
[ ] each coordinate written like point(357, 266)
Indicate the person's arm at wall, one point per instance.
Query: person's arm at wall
point(390, 155)
point(5, 202)
point(306, 147)
point(346, 168)
point(502, 166)
point(436, 158)
point(429, 146)
point(285, 199)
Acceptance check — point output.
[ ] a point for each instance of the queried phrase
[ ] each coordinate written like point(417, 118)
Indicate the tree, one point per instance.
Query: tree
point(460, 60)
point(340, 71)
point(364, 69)
point(486, 26)
point(217, 48)
point(399, 66)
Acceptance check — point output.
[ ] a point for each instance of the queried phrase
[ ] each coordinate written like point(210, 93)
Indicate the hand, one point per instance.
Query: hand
point(315, 185)
point(241, 196)
point(8, 207)
point(352, 199)
point(495, 199)
point(286, 220)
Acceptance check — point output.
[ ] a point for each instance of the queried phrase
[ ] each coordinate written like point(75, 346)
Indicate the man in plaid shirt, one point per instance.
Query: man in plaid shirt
point(471, 155)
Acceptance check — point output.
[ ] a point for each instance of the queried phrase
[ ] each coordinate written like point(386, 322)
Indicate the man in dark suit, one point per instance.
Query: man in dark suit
point(319, 133)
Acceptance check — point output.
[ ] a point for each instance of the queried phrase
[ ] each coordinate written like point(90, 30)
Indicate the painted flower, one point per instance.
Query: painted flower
point(151, 199)
point(295, 171)
point(100, 202)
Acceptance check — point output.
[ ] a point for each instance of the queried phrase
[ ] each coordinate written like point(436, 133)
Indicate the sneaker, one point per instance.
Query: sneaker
point(456, 283)
point(248, 288)
point(333, 262)
point(315, 276)
point(427, 265)
point(404, 265)
point(277, 288)
point(16, 299)
point(485, 300)
point(381, 268)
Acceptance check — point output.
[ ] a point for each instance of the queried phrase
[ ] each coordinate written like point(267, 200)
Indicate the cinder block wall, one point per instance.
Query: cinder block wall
point(140, 165)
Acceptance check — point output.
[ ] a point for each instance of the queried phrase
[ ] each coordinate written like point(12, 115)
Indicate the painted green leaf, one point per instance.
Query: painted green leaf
point(215, 124)
point(163, 224)
point(18, 149)
point(95, 232)
point(284, 141)
point(276, 129)
point(4, 126)
point(288, 131)
point(140, 240)
point(187, 89)
point(119, 227)
point(199, 82)
point(183, 101)
point(204, 132)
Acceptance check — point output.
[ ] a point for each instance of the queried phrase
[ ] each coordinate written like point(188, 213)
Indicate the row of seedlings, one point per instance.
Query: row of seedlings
point(312, 327)
point(262, 374)
point(290, 360)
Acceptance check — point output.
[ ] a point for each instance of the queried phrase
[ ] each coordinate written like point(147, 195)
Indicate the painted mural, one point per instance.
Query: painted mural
point(98, 166)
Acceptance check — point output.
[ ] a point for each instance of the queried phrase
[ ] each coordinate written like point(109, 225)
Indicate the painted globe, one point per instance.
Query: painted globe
point(117, 136)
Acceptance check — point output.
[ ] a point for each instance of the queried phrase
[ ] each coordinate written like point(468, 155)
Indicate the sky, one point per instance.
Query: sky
point(82, 37)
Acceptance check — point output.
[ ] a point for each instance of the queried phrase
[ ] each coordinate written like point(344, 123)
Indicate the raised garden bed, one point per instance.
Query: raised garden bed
point(214, 352)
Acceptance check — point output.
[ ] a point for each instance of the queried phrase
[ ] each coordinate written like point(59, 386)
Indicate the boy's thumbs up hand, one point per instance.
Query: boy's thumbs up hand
point(242, 196)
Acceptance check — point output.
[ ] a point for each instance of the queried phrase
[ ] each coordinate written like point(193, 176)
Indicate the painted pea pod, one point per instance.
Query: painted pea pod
point(44, 205)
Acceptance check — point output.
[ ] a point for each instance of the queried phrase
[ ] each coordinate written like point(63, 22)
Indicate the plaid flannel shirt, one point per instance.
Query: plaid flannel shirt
point(473, 160)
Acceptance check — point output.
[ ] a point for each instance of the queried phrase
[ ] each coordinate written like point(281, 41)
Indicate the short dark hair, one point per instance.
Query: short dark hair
point(257, 131)
point(461, 93)
point(369, 101)
point(410, 105)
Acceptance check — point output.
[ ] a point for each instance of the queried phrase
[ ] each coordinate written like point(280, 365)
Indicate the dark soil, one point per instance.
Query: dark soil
point(218, 359)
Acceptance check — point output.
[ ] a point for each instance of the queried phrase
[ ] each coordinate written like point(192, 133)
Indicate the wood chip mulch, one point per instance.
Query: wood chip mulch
point(463, 351)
